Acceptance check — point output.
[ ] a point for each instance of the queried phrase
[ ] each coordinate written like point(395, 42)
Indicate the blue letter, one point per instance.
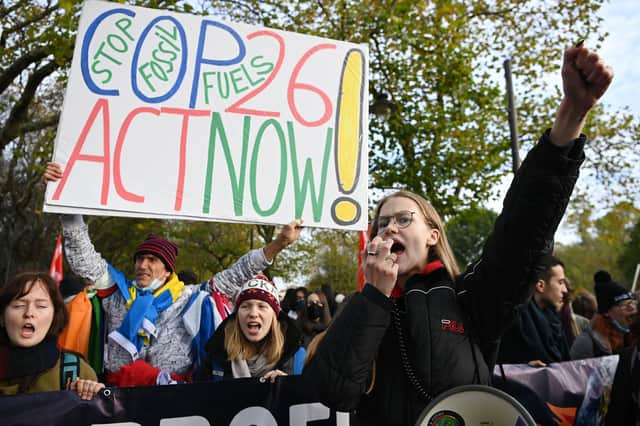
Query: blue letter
point(200, 60)
point(84, 58)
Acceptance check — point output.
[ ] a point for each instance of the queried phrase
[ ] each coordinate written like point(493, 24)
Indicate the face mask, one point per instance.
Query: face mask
point(299, 305)
point(314, 311)
point(620, 327)
point(155, 284)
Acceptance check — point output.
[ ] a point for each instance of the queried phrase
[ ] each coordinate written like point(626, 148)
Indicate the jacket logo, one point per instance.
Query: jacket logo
point(452, 325)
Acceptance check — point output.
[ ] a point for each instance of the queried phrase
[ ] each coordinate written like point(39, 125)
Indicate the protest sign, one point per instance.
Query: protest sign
point(172, 115)
point(563, 393)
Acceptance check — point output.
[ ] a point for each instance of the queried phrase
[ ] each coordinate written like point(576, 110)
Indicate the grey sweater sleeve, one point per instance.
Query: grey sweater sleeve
point(229, 281)
point(82, 256)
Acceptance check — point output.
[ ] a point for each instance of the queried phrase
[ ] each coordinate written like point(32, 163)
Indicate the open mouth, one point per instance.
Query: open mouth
point(397, 248)
point(28, 330)
point(254, 327)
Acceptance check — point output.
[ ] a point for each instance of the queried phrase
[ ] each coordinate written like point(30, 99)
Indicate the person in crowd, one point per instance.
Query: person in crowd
point(298, 304)
point(315, 317)
point(584, 307)
point(288, 303)
point(257, 340)
point(585, 304)
point(610, 327)
point(572, 324)
point(33, 315)
point(538, 336)
point(176, 320)
point(188, 277)
point(330, 295)
point(301, 296)
point(418, 328)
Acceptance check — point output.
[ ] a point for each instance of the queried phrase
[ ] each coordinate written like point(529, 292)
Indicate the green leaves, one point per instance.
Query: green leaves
point(440, 63)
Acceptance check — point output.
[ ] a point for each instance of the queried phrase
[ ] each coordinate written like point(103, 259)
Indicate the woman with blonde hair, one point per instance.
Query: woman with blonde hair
point(257, 340)
point(419, 328)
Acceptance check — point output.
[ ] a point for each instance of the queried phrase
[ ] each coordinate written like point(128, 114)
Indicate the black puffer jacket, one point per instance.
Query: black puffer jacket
point(452, 330)
point(217, 366)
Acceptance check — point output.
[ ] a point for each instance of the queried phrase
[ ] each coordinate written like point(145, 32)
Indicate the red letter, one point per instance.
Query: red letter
point(117, 179)
point(76, 155)
point(186, 113)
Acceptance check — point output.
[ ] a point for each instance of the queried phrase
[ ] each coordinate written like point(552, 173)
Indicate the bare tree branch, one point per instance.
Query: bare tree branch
point(34, 126)
point(20, 25)
point(14, 70)
point(20, 109)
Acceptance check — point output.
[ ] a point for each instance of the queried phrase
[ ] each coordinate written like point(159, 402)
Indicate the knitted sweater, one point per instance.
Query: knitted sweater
point(171, 349)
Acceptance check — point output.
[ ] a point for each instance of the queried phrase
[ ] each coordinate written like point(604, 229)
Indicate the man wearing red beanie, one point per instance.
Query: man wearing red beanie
point(156, 325)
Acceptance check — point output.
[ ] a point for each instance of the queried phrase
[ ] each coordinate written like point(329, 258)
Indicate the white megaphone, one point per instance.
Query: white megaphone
point(475, 405)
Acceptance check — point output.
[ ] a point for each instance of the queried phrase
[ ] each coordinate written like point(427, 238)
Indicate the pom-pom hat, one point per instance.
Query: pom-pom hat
point(261, 288)
point(608, 292)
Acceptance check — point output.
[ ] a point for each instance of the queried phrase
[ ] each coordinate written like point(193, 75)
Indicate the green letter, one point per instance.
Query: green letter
point(237, 184)
point(283, 168)
point(300, 190)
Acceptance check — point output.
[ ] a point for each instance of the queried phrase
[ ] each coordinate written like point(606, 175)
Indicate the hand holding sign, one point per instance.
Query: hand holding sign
point(177, 116)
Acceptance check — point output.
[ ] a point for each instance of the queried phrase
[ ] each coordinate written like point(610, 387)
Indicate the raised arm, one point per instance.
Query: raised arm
point(585, 78)
point(82, 256)
point(254, 262)
point(535, 203)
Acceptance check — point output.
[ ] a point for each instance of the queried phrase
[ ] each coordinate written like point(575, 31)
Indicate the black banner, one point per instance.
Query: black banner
point(240, 402)
point(564, 393)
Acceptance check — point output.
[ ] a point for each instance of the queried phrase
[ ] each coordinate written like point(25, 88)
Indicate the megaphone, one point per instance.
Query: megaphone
point(475, 405)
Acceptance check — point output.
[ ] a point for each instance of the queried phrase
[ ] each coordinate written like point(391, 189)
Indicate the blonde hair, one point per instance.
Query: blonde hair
point(238, 347)
point(441, 251)
point(312, 348)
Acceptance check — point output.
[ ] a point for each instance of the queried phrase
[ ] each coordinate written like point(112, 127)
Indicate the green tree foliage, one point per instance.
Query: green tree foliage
point(335, 261)
point(467, 233)
point(439, 63)
point(602, 242)
point(28, 236)
point(203, 247)
point(630, 256)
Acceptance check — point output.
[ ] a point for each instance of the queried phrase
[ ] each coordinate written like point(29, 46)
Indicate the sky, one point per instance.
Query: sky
point(621, 50)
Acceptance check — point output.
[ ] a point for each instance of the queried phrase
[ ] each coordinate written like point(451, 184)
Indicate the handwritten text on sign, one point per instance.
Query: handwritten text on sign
point(179, 116)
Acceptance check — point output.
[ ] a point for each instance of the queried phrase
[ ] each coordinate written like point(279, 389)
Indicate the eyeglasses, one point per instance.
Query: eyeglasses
point(402, 220)
point(628, 305)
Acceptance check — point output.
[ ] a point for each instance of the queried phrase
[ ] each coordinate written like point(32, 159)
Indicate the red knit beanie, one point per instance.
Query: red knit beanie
point(261, 288)
point(159, 247)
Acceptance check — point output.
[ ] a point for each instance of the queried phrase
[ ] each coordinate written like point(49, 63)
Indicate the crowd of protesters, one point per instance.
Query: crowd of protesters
point(514, 305)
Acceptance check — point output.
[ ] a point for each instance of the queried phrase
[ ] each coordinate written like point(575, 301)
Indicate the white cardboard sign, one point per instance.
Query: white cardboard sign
point(171, 115)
